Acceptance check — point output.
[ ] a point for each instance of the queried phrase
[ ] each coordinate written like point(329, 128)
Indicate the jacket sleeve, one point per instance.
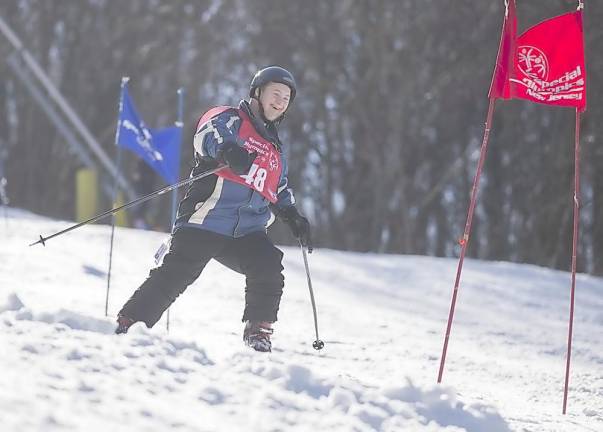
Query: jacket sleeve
point(285, 197)
point(211, 135)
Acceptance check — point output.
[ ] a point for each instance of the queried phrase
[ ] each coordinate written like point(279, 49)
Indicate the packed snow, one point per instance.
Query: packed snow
point(382, 318)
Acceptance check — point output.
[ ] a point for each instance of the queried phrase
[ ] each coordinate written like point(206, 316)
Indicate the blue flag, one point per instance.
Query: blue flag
point(159, 148)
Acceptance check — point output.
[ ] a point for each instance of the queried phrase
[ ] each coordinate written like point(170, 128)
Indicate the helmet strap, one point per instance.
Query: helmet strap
point(258, 92)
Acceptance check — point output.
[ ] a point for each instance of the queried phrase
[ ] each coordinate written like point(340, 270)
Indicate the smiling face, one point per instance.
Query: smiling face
point(274, 99)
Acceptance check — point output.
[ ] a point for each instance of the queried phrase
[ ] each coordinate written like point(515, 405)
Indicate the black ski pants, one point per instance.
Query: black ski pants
point(253, 255)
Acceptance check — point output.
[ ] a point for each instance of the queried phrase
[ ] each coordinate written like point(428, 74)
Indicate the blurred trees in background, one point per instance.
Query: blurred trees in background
point(384, 135)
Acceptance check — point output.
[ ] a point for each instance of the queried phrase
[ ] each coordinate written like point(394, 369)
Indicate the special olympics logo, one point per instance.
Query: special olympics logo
point(143, 138)
point(533, 62)
point(273, 162)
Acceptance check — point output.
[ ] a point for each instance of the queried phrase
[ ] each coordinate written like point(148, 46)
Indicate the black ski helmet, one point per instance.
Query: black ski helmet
point(275, 74)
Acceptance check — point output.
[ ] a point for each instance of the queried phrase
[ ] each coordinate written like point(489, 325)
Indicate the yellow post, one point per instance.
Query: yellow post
point(86, 194)
point(121, 218)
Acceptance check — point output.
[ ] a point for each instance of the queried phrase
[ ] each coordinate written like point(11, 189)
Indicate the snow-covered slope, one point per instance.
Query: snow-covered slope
point(382, 319)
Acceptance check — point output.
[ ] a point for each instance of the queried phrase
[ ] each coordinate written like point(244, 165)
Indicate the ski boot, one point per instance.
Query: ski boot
point(257, 335)
point(123, 324)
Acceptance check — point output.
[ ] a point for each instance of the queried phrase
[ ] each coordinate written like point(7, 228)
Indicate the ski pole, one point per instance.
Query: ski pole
point(132, 203)
point(318, 344)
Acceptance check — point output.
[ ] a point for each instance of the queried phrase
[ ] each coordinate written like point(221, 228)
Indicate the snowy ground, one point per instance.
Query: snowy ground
point(382, 319)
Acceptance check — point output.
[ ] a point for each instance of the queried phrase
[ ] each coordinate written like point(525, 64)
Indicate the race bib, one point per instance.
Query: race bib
point(265, 172)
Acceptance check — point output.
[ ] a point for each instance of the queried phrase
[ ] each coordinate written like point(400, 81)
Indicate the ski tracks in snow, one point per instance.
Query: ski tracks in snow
point(68, 369)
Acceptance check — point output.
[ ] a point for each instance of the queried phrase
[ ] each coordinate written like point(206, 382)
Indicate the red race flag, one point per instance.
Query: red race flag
point(545, 65)
point(549, 63)
point(500, 86)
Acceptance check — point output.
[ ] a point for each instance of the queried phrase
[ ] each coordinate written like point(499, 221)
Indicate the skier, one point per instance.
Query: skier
point(225, 216)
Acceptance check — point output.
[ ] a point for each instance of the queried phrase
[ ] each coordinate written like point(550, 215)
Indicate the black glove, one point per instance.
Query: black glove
point(236, 157)
point(300, 227)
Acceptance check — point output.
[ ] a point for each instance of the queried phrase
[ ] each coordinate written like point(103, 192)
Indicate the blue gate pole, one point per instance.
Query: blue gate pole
point(180, 124)
point(124, 82)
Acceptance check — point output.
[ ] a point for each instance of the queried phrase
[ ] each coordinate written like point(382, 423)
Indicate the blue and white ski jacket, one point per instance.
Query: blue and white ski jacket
point(220, 205)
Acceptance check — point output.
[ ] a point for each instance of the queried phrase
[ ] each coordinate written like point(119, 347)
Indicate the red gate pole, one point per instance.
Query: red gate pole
point(574, 254)
point(465, 240)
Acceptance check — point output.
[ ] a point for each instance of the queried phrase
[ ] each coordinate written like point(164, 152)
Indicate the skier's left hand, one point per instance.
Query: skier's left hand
point(301, 230)
point(300, 226)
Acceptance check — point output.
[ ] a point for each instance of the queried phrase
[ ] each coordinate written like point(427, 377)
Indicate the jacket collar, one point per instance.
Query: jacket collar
point(267, 130)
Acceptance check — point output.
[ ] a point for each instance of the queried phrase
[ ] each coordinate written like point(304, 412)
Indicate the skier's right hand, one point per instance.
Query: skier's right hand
point(236, 157)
